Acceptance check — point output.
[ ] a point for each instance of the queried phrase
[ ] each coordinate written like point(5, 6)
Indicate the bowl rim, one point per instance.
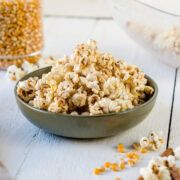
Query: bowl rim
point(86, 116)
point(154, 8)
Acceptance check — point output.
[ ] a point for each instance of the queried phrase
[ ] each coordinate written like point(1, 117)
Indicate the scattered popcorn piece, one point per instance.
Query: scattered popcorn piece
point(144, 142)
point(29, 67)
point(14, 73)
point(152, 142)
point(153, 136)
point(177, 153)
point(158, 168)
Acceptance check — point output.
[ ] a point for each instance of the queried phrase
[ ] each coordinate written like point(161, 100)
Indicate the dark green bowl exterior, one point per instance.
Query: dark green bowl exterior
point(96, 126)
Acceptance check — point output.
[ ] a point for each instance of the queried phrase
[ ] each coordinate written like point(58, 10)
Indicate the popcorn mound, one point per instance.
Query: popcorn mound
point(87, 83)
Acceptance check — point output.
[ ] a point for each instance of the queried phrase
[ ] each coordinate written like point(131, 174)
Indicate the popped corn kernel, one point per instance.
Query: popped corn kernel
point(144, 142)
point(107, 164)
point(177, 153)
point(97, 171)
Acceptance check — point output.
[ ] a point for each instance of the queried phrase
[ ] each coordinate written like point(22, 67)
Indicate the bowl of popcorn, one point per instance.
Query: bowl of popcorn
point(154, 25)
point(87, 95)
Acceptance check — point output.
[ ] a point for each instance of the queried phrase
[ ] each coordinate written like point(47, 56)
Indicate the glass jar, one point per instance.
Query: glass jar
point(21, 32)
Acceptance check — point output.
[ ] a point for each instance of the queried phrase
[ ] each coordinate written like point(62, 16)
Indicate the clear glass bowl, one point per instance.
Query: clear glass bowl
point(156, 30)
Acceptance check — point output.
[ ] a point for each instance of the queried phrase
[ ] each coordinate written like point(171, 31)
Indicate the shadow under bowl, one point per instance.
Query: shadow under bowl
point(77, 126)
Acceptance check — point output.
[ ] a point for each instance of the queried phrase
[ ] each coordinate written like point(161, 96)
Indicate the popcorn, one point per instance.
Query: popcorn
point(14, 73)
point(177, 153)
point(158, 168)
point(29, 67)
point(26, 89)
point(87, 83)
point(152, 142)
point(144, 142)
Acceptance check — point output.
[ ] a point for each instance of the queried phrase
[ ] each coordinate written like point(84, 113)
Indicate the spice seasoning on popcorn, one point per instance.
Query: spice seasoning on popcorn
point(88, 82)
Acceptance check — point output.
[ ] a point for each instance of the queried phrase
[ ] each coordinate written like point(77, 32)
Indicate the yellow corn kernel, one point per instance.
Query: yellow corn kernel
point(114, 168)
point(136, 156)
point(131, 162)
point(102, 169)
point(161, 141)
point(121, 150)
point(129, 155)
point(121, 146)
point(107, 164)
point(118, 179)
point(136, 146)
point(115, 165)
point(96, 171)
point(143, 151)
point(122, 166)
point(122, 160)
point(14, 78)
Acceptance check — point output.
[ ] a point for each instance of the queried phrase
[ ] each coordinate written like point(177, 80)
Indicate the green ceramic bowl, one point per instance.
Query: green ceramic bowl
point(96, 126)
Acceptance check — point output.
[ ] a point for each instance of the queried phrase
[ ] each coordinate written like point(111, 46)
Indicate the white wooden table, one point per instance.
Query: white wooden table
point(30, 153)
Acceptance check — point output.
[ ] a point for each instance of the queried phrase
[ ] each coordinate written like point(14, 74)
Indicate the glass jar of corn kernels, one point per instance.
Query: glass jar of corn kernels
point(21, 32)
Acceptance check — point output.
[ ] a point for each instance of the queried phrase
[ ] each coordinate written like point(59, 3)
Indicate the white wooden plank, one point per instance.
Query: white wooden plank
point(83, 8)
point(53, 157)
point(124, 48)
point(16, 134)
point(174, 139)
point(62, 34)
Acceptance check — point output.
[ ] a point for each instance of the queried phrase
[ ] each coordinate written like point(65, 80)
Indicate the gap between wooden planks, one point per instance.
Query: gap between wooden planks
point(174, 137)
